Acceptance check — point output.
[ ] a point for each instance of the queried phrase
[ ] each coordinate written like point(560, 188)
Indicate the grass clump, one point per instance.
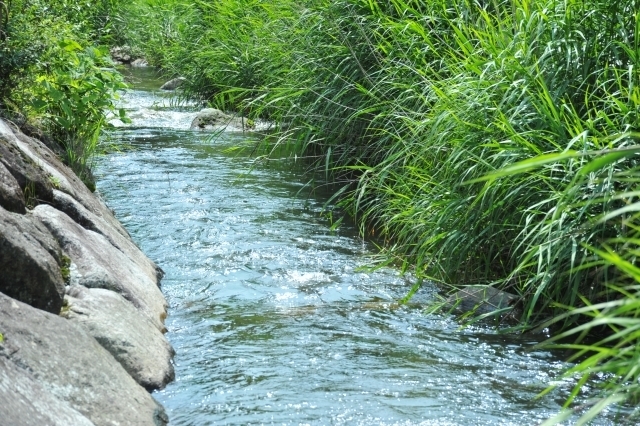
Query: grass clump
point(486, 142)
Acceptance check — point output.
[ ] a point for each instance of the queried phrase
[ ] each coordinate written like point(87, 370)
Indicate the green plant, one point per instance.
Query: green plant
point(73, 98)
point(484, 142)
point(65, 269)
point(30, 195)
point(55, 182)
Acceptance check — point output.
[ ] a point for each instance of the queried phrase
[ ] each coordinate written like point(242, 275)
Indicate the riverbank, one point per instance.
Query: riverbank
point(81, 311)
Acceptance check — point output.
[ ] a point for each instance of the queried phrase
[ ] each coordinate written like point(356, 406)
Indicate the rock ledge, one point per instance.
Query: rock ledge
point(81, 311)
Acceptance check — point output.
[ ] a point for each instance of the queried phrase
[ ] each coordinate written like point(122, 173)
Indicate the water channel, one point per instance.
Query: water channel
point(270, 316)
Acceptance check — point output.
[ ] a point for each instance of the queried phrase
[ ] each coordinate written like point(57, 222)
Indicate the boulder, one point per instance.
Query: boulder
point(11, 195)
point(121, 54)
point(72, 366)
point(89, 220)
point(481, 300)
point(139, 63)
point(211, 118)
point(131, 338)
point(173, 84)
point(30, 260)
point(96, 263)
point(25, 402)
point(34, 182)
point(43, 171)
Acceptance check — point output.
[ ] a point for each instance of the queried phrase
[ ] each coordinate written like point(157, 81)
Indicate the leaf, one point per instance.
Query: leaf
point(635, 207)
point(38, 104)
point(56, 95)
point(527, 165)
point(560, 417)
point(69, 45)
point(599, 408)
point(603, 161)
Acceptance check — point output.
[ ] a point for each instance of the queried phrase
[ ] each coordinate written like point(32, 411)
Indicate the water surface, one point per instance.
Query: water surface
point(270, 316)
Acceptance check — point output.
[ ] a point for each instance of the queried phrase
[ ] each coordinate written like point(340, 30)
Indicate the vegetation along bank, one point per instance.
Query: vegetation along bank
point(485, 142)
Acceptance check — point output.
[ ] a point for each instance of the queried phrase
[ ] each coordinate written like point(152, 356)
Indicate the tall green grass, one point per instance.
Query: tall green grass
point(486, 142)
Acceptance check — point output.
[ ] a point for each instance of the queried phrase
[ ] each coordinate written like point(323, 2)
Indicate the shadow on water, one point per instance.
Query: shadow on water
point(271, 319)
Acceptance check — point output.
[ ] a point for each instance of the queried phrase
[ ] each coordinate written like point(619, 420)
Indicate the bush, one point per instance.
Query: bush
point(50, 72)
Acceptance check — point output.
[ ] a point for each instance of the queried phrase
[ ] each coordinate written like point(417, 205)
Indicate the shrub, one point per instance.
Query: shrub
point(50, 72)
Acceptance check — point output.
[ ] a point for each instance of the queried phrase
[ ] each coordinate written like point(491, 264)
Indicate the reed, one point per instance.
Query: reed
point(485, 141)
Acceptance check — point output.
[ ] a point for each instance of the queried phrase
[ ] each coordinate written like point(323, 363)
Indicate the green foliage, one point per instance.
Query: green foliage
point(50, 72)
point(73, 98)
point(65, 269)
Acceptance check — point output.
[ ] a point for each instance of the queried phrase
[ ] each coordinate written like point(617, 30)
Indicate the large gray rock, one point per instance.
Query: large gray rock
point(11, 195)
point(89, 220)
point(25, 402)
point(96, 263)
point(212, 119)
point(131, 338)
point(34, 165)
point(30, 260)
point(139, 63)
point(31, 178)
point(173, 84)
point(482, 300)
point(121, 54)
point(70, 364)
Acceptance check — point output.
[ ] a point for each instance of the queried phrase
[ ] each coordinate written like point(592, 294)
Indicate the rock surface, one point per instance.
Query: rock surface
point(53, 370)
point(25, 402)
point(211, 119)
point(30, 260)
point(34, 182)
point(132, 339)
point(482, 300)
point(139, 63)
point(93, 222)
point(121, 54)
point(43, 165)
point(70, 364)
point(173, 84)
point(11, 195)
point(98, 264)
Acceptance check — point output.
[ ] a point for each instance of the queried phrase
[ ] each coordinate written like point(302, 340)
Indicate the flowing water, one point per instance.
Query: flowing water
point(271, 317)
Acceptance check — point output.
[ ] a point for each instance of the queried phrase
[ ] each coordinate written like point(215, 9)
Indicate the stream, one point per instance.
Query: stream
point(272, 319)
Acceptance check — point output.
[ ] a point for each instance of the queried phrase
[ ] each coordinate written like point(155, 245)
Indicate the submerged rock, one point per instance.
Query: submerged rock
point(70, 365)
point(30, 260)
point(173, 84)
point(131, 338)
point(211, 118)
point(482, 300)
